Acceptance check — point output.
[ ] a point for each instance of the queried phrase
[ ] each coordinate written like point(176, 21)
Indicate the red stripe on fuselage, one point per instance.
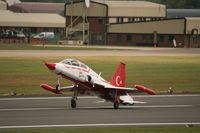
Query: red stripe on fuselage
point(77, 68)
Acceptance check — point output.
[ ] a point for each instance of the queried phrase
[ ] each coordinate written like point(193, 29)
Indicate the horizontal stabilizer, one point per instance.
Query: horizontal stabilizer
point(140, 102)
point(144, 89)
point(102, 101)
point(50, 88)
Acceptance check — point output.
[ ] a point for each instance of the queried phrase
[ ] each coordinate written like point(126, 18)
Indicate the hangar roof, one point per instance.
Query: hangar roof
point(9, 18)
point(121, 3)
point(118, 9)
point(177, 13)
point(38, 7)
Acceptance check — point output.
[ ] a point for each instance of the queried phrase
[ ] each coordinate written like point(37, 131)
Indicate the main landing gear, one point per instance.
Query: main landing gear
point(74, 98)
point(73, 103)
point(117, 101)
point(116, 105)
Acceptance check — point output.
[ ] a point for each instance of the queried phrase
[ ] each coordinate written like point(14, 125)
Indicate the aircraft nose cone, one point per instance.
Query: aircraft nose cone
point(51, 66)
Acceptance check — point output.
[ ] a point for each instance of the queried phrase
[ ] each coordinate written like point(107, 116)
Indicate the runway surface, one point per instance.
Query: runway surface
point(160, 110)
point(120, 52)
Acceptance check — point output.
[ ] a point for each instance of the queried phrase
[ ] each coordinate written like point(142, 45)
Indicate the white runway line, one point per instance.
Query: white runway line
point(93, 97)
point(109, 107)
point(102, 125)
point(149, 106)
point(30, 109)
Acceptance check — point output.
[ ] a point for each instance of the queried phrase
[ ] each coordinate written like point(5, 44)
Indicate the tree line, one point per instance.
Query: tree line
point(180, 4)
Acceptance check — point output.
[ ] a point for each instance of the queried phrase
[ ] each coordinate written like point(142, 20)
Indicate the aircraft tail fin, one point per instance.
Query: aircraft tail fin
point(119, 77)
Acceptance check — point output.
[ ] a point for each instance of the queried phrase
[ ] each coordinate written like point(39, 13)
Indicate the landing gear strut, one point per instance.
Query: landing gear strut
point(57, 87)
point(58, 83)
point(74, 98)
point(116, 105)
point(117, 101)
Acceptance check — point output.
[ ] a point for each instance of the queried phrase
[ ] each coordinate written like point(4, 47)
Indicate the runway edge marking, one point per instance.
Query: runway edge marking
point(101, 125)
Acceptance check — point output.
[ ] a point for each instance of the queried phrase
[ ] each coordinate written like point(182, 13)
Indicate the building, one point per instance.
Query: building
point(101, 14)
point(3, 5)
point(29, 24)
point(133, 23)
point(183, 30)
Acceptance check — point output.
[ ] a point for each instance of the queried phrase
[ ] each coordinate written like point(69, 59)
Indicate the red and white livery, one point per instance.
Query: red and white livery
point(86, 80)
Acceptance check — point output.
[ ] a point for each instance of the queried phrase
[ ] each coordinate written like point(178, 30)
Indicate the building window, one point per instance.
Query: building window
point(161, 38)
point(145, 37)
point(137, 19)
point(170, 38)
point(118, 37)
point(99, 38)
point(130, 19)
point(120, 20)
point(128, 37)
point(100, 21)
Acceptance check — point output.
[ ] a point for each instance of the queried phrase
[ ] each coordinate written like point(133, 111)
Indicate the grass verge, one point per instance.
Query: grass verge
point(106, 130)
point(24, 75)
point(57, 47)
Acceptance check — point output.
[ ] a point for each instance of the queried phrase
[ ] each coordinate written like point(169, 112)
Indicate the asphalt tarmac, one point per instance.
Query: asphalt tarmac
point(45, 112)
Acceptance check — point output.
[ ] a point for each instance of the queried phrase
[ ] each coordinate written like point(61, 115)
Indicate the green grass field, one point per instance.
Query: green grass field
point(107, 130)
point(24, 75)
point(57, 47)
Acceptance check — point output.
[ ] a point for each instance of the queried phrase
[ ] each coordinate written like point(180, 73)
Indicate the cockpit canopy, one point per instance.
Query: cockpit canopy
point(74, 62)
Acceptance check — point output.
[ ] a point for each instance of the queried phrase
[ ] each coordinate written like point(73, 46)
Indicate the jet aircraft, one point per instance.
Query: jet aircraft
point(86, 80)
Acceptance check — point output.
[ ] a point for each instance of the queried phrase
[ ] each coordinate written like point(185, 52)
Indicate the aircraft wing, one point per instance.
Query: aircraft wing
point(136, 89)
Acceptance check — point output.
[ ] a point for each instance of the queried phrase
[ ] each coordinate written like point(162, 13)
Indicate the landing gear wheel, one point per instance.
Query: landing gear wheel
point(73, 103)
point(116, 105)
point(57, 87)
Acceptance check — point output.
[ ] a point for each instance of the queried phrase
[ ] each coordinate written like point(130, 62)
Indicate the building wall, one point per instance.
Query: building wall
point(192, 23)
point(96, 25)
point(138, 11)
point(175, 26)
point(3, 5)
point(97, 28)
point(78, 8)
point(164, 40)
